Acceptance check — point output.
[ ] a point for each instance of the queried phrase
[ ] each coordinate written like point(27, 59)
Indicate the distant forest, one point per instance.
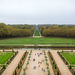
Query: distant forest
point(25, 30)
point(57, 30)
point(7, 31)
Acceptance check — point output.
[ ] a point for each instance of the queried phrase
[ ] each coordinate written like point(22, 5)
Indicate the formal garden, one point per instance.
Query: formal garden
point(5, 59)
point(69, 59)
point(16, 37)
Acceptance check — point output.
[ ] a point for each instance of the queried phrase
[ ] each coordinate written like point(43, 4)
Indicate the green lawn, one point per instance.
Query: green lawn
point(70, 57)
point(36, 33)
point(41, 40)
point(63, 44)
point(4, 56)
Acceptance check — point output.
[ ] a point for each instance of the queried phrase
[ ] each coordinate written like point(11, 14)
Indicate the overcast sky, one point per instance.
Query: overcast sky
point(37, 11)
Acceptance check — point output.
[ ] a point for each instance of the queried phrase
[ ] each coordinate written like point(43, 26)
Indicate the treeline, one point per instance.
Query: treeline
point(7, 31)
point(57, 31)
point(24, 26)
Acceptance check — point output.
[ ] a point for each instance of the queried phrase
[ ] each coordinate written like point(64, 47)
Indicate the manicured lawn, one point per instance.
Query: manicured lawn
point(70, 57)
point(36, 33)
point(42, 40)
point(12, 45)
point(63, 44)
point(4, 56)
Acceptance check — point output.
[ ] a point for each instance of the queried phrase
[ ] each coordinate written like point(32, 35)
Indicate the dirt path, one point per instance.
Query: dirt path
point(62, 67)
point(38, 70)
point(11, 67)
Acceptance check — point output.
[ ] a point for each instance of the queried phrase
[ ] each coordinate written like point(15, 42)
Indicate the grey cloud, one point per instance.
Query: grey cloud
point(37, 11)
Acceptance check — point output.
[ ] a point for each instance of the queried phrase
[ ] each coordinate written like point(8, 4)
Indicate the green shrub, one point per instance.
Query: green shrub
point(26, 68)
point(47, 64)
point(45, 59)
point(20, 62)
point(29, 57)
point(44, 53)
point(27, 62)
point(48, 73)
point(70, 67)
point(47, 67)
point(45, 56)
point(4, 66)
point(30, 54)
point(19, 66)
point(55, 66)
point(24, 73)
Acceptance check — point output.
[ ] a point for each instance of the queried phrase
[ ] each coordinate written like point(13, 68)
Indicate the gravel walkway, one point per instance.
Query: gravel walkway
point(50, 66)
point(12, 66)
point(38, 70)
point(62, 67)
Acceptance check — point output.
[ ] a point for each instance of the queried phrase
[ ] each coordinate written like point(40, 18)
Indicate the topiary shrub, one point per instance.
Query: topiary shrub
point(30, 54)
point(27, 62)
point(29, 57)
point(26, 68)
point(47, 64)
point(47, 67)
point(45, 59)
point(19, 66)
point(70, 67)
point(24, 72)
point(55, 66)
point(44, 53)
point(4, 66)
point(45, 56)
point(48, 73)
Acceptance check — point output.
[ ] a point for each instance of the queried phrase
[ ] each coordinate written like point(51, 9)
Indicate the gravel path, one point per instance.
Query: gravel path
point(50, 66)
point(21, 73)
point(12, 66)
point(37, 70)
point(62, 67)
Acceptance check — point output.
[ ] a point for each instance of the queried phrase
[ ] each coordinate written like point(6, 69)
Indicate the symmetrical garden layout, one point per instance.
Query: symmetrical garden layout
point(39, 62)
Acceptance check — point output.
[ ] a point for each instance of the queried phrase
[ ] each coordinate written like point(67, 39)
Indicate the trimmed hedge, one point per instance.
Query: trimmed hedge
point(20, 64)
point(8, 62)
point(66, 62)
point(54, 65)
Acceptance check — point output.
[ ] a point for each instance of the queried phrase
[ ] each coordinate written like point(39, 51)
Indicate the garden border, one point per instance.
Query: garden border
point(66, 62)
point(9, 60)
point(20, 64)
point(54, 65)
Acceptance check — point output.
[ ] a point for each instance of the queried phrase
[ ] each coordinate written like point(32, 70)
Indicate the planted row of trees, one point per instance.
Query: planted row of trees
point(57, 31)
point(16, 30)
